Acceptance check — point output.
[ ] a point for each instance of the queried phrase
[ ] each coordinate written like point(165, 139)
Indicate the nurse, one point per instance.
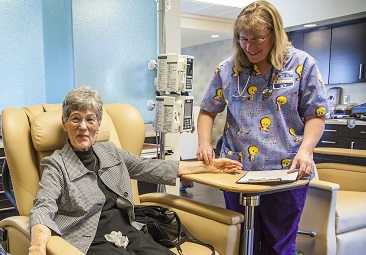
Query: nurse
point(276, 104)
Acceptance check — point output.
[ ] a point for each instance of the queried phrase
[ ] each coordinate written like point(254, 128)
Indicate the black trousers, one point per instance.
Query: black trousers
point(140, 243)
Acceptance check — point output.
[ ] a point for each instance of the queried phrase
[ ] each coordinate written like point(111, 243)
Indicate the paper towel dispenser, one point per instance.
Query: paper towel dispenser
point(334, 96)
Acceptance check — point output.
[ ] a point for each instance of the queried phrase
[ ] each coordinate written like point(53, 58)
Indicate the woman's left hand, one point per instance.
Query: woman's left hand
point(224, 165)
point(302, 162)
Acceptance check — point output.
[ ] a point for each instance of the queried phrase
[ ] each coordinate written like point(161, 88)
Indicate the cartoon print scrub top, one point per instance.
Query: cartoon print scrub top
point(266, 132)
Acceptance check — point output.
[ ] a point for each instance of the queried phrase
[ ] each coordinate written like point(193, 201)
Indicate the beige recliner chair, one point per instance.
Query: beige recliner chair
point(336, 210)
point(31, 133)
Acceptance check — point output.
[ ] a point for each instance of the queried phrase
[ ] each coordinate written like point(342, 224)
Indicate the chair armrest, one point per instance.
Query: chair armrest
point(209, 224)
point(58, 246)
point(319, 216)
point(190, 206)
point(19, 238)
point(324, 185)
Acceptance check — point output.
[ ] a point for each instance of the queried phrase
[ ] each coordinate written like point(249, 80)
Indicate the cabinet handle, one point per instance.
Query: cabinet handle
point(352, 145)
point(360, 75)
point(327, 142)
point(362, 132)
point(330, 130)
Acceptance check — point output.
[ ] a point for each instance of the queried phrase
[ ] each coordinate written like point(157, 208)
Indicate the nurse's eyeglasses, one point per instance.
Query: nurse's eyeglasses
point(257, 41)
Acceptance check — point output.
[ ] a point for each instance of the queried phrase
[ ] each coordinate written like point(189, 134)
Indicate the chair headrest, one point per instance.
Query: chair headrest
point(48, 134)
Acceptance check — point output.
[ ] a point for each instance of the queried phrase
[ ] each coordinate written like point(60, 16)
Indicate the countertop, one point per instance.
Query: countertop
point(344, 122)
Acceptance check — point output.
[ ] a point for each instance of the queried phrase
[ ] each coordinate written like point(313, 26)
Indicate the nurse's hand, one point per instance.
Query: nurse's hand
point(302, 162)
point(205, 153)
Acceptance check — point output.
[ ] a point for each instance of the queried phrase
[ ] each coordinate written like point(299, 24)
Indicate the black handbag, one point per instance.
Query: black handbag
point(165, 227)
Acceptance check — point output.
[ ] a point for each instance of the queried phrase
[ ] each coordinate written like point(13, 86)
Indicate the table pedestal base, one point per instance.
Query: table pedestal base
point(246, 241)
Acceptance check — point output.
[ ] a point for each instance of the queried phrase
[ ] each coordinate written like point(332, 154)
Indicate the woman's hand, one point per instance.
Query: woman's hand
point(205, 153)
point(220, 165)
point(302, 162)
point(224, 165)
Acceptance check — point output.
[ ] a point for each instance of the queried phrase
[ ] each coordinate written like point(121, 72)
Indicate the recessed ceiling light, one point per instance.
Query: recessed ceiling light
point(230, 3)
point(310, 25)
point(215, 36)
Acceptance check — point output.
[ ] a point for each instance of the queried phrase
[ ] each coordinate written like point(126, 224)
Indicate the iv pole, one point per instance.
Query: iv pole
point(162, 50)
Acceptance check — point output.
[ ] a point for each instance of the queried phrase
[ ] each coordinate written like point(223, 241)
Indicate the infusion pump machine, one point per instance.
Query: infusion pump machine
point(175, 73)
point(174, 113)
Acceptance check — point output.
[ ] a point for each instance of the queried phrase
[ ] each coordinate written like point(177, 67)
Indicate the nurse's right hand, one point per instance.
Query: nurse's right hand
point(205, 153)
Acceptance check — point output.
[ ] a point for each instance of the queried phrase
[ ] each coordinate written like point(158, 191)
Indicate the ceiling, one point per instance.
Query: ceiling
point(201, 20)
point(205, 11)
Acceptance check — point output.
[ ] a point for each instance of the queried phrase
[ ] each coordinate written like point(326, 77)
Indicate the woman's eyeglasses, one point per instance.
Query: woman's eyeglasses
point(257, 41)
point(89, 120)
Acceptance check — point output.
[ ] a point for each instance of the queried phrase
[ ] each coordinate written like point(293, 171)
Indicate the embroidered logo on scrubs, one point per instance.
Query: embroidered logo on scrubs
point(281, 100)
point(251, 91)
point(292, 132)
point(321, 79)
point(219, 94)
point(283, 80)
point(256, 69)
point(235, 72)
point(217, 69)
point(253, 151)
point(299, 72)
point(321, 111)
point(285, 163)
point(265, 123)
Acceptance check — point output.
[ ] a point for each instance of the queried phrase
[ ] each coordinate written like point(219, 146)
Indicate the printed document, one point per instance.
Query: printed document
point(266, 176)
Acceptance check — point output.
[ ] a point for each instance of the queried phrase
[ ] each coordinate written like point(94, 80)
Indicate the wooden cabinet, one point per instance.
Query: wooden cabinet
point(6, 208)
point(340, 136)
point(348, 53)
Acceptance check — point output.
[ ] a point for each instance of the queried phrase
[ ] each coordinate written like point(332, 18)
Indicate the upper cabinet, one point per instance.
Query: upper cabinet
point(348, 54)
point(317, 44)
point(297, 39)
point(340, 50)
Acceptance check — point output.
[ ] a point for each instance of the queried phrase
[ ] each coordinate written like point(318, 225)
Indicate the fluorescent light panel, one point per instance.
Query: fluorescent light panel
point(310, 25)
point(229, 3)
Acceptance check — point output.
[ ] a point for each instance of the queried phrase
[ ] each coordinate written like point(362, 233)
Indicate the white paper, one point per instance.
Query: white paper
point(268, 176)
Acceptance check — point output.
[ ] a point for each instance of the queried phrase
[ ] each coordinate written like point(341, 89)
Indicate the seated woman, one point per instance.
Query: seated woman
point(85, 192)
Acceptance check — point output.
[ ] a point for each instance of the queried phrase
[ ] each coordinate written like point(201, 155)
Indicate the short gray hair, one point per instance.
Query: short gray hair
point(82, 98)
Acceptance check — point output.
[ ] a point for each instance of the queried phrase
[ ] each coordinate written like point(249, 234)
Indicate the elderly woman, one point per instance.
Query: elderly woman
point(85, 190)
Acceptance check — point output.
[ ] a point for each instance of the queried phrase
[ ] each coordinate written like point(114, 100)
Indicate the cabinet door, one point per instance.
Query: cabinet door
point(317, 44)
point(297, 39)
point(358, 132)
point(348, 54)
point(357, 143)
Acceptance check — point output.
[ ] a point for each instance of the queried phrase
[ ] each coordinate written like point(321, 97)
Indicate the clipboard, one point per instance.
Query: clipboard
point(268, 176)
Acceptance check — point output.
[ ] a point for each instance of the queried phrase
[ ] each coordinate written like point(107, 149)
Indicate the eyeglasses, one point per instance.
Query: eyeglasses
point(257, 41)
point(89, 120)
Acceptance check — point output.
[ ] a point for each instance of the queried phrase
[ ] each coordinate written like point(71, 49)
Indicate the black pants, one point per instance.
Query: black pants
point(139, 244)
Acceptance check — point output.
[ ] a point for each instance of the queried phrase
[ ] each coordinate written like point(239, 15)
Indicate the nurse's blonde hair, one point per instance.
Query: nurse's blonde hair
point(257, 16)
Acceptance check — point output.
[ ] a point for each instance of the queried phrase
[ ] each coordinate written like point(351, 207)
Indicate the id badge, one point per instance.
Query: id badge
point(283, 80)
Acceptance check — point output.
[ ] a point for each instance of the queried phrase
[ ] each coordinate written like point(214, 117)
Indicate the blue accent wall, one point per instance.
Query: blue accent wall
point(58, 49)
point(47, 47)
point(21, 53)
point(113, 42)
